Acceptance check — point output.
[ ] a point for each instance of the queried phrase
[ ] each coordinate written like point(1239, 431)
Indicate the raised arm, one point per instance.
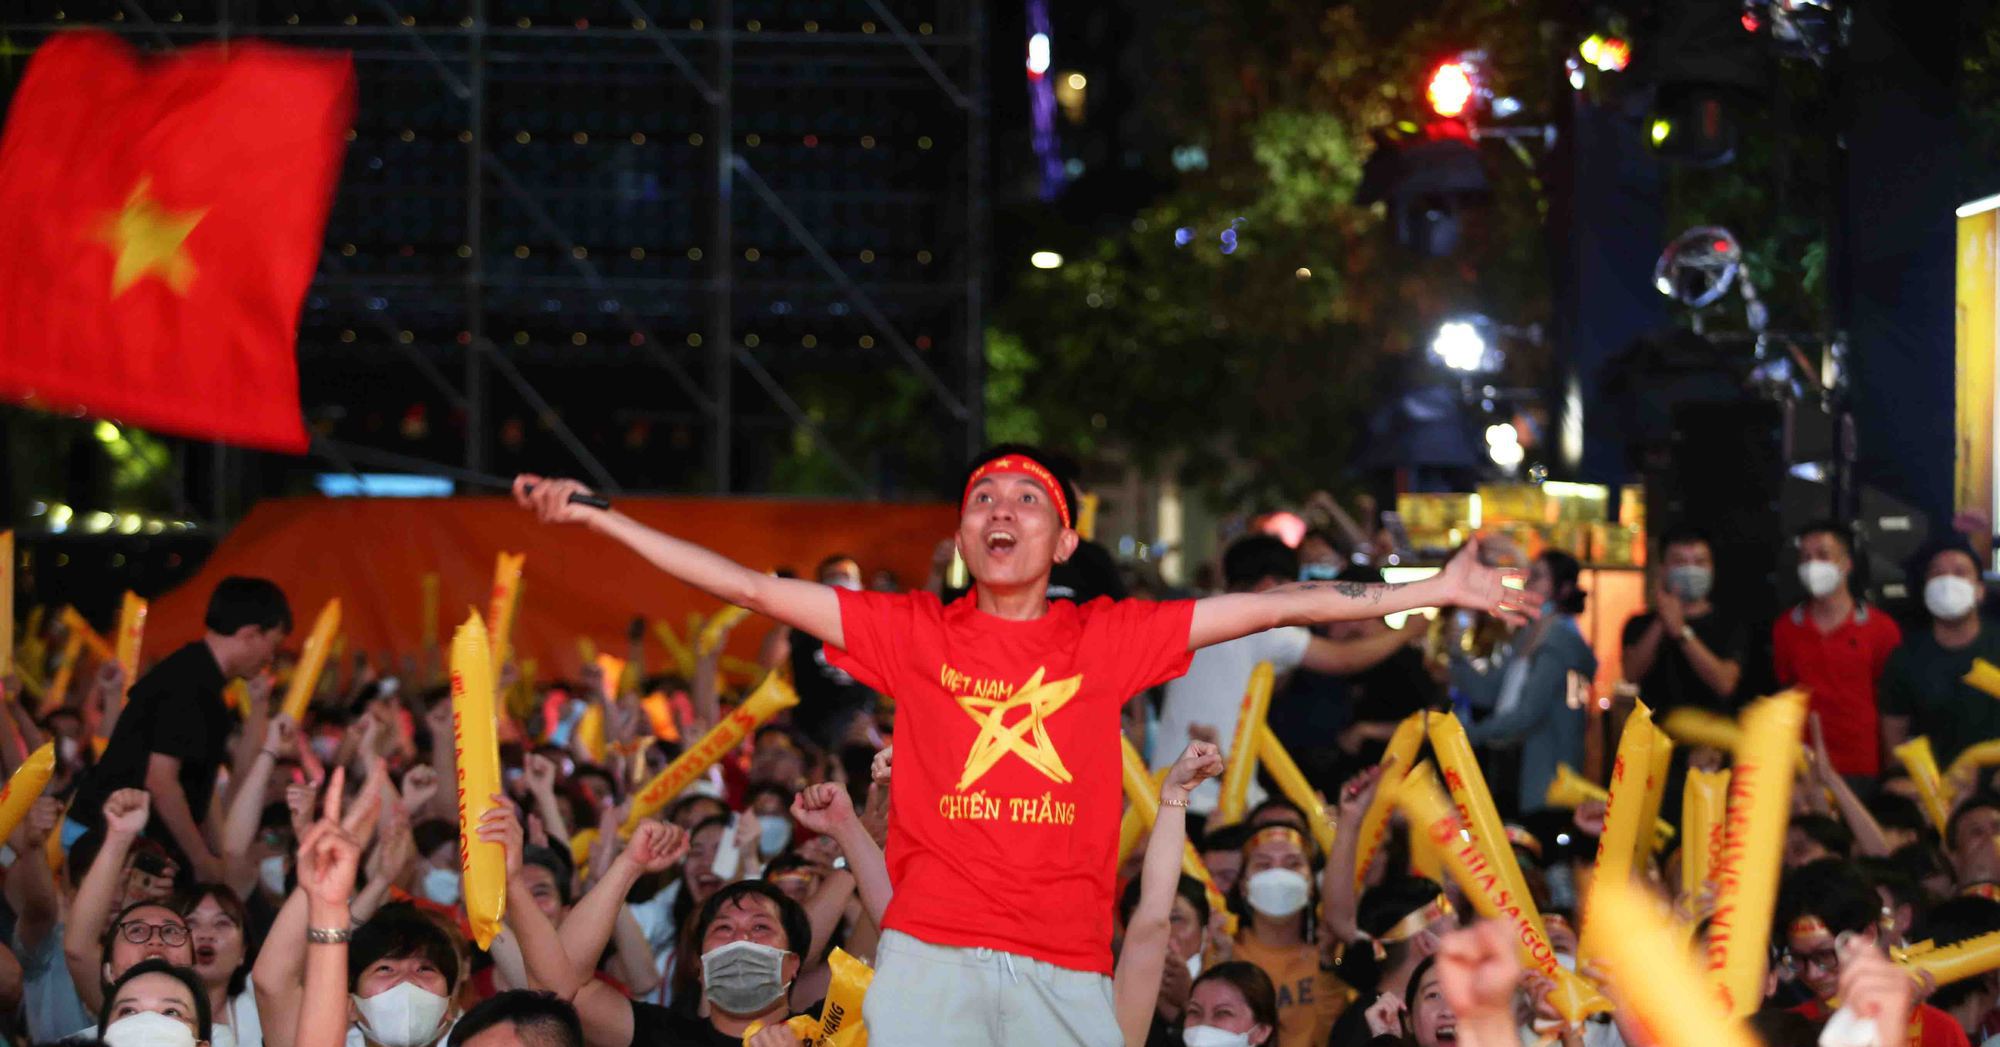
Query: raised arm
point(246, 806)
point(1135, 987)
point(31, 887)
point(1361, 653)
point(1464, 582)
point(125, 813)
point(1337, 883)
point(327, 859)
point(801, 604)
point(826, 808)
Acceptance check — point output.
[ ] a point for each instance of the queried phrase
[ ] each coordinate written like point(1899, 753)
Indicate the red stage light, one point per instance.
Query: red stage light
point(1450, 89)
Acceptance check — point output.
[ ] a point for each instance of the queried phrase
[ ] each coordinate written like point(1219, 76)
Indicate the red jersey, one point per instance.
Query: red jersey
point(1839, 669)
point(1007, 789)
point(1929, 1027)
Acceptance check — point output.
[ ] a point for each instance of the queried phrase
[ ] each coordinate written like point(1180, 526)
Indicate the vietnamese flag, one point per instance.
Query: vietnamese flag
point(160, 220)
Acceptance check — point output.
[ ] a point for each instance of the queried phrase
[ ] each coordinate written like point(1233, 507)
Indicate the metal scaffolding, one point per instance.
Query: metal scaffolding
point(688, 188)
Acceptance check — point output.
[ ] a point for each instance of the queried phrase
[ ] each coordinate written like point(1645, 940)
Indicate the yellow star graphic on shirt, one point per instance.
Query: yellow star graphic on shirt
point(149, 241)
point(997, 737)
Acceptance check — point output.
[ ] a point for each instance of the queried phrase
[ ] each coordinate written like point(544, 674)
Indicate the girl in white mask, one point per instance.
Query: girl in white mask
point(155, 1004)
point(1232, 1005)
point(1279, 933)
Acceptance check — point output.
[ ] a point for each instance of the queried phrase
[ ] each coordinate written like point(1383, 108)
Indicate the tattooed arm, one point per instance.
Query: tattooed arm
point(1464, 582)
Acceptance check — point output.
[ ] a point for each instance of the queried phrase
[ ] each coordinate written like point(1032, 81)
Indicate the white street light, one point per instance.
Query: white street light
point(1045, 260)
point(1460, 346)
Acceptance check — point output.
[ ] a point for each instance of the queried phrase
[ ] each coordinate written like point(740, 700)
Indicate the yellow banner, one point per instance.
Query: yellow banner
point(1978, 340)
point(475, 726)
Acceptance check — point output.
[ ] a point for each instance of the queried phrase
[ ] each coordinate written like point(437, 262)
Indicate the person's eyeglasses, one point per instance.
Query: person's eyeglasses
point(169, 934)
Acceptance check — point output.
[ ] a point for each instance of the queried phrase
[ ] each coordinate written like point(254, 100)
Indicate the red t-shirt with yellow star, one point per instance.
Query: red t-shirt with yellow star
point(1006, 794)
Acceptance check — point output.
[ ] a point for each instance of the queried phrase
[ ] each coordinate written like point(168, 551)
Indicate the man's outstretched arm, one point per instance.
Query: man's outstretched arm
point(800, 604)
point(1464, 582)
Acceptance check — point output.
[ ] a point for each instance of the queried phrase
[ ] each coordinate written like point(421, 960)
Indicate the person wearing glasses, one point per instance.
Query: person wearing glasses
point(99, 946)
point(1829, 918)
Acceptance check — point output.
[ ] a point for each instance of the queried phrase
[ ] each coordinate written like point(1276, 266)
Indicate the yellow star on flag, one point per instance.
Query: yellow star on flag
point(997, 737)
point(149, 241)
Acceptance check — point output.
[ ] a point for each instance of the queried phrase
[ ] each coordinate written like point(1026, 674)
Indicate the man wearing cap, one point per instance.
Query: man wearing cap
point(1923, 689)
point(1006, 797)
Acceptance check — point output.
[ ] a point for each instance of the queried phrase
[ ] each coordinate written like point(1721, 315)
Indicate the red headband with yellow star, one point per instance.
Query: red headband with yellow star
point(1021, 463)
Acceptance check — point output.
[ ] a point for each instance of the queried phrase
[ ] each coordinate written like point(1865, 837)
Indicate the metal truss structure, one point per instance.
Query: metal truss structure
point(722, 245)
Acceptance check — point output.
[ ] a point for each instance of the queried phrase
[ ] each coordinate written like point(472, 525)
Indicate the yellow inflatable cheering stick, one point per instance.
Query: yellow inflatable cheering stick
point(771, 697)
point(1242, 767)
point(475, 728)
point(1753, 842)
point(312, 660)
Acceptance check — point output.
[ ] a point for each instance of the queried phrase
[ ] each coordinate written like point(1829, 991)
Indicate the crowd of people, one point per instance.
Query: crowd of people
point(935, 830)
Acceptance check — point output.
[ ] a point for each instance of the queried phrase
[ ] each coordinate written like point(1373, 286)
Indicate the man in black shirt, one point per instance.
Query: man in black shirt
point(1685, 651)
point(829, 699)
point(173, 735)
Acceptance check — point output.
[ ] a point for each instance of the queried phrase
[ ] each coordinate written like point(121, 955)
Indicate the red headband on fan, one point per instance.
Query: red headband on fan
point(1018, 463)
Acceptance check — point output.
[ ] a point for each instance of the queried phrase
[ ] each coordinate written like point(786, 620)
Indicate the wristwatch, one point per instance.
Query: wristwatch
point(1687, 632)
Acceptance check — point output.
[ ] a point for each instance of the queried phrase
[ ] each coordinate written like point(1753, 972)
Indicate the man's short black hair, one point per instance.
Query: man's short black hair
point(1061, 465)
point(1188, 887)
point(1984, 798)
point(399, 930)
point(239, 601)
point(1835, 528)
point(791, 915)
point(1684, 534)
point(540, 1019)
point(1255, 557)
point(1832, 889)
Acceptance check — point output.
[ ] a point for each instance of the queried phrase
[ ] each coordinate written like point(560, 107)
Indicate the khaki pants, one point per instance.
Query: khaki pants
point(942, 996)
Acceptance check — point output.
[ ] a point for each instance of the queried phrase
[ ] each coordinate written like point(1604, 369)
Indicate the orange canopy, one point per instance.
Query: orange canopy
point(372, 553)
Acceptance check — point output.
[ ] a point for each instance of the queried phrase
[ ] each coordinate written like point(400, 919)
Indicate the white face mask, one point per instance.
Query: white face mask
point(147, 1029)
point(1949, 597)
point(442, 885)
point(1277, 892)
point(774, 831)
point(743, 977)
point(1210, 1036)
point(1194, 966)
point(271, 873)
point(1690, 582)
point(403, 1015)
point(1819, 577)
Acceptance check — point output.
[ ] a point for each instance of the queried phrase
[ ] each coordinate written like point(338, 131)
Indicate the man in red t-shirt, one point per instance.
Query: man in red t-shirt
point(1835, 647)
point(1006, 798)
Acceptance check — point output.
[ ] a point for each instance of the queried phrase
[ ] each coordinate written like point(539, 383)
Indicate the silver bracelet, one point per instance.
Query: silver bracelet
point(329, 935)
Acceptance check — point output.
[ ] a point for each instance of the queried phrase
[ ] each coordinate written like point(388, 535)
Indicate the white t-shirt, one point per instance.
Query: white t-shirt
point(1211, 693)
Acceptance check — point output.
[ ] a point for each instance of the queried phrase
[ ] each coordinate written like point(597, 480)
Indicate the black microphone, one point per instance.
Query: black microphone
point(595, 501)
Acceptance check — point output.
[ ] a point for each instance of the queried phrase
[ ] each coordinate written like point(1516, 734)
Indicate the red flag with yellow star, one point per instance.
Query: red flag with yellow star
point(160, 220)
